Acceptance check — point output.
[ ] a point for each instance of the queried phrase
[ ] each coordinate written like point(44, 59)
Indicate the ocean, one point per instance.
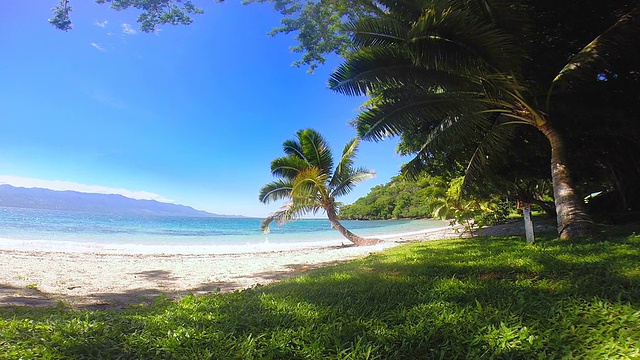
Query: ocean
point(56, 230)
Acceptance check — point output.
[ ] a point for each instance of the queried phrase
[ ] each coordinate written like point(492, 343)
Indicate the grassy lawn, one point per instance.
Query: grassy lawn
point(482, 297)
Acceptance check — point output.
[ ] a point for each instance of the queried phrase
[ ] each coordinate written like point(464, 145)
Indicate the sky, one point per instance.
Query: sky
point(192, 115)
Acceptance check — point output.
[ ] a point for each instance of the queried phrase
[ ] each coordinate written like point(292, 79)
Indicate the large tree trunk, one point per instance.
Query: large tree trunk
point(357, 240)
point(573, 220)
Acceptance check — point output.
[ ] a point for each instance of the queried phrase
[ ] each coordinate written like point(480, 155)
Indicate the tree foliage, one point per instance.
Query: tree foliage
point(431, 197)
point(401, 198)
point(308, 181)
point(595, 99)
point(61, 19)
point(153, 12)
point(318, 25)
point(451, 72)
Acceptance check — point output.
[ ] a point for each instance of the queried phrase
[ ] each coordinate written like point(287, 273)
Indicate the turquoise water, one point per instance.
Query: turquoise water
point(76, 231)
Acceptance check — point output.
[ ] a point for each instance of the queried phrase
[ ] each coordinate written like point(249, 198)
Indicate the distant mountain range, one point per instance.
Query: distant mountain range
point(35, 198)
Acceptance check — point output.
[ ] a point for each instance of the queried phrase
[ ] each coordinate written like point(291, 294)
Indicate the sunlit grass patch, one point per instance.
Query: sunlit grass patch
point(482, 297)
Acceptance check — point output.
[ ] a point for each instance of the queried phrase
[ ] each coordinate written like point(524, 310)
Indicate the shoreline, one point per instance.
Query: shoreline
point(92, 280)
point(117, 280)
point(132, 248)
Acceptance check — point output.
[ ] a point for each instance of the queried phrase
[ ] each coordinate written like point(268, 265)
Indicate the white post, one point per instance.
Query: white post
point(528, 224)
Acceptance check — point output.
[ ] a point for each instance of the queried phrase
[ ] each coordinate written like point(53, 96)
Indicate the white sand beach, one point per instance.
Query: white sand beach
point(107, 280)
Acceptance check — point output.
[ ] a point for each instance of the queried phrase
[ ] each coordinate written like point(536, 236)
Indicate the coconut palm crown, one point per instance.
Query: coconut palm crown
point(443, 72)
point(308, 181)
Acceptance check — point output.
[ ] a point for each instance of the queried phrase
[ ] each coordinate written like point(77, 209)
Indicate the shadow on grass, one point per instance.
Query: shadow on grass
point(475, 298)
point(292, 271)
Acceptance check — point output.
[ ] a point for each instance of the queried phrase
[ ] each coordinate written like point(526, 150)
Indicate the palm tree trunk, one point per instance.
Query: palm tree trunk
point(573, 220)
point(355, 239)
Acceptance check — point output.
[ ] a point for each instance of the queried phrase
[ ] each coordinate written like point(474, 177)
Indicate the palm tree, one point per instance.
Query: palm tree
point(446, 71)
point(309, 182)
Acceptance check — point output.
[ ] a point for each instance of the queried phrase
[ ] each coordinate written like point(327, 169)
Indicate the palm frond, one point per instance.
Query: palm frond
point(293, 148)
point(420, 110)
point(503, 15)
point(346, 162)
point(454, 129)
point(461, 127)
point(264, 224)
point(288, 167)
point(366, 67)
point(277, 190)
point(377, 32)
point(347, 180)
point(457, 40)
point(443, 39)
point(316, 150)
point(617, 42)
point(494, 142)
point(310, 185)
point(376, 68)
point(441, 210)
point(485, 124)
point(288, 212)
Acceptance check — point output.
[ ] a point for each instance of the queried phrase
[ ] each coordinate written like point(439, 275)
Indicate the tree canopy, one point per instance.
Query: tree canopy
point(451, 76)
point(401, 198)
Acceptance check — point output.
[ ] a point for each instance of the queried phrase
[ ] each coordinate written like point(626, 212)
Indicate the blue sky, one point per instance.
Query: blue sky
point(194, 114)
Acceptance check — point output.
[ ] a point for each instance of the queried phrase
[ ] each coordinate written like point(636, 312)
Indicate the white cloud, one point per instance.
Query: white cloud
point(127, 29)
point(98, 47)
point(101, 24)
point(71, 186)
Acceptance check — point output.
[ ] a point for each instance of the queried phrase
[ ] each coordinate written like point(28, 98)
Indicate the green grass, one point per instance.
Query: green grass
point(474, 298)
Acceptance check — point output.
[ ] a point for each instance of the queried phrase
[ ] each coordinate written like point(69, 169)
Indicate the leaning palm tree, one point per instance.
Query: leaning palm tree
point(449, 71)
point(309, 182)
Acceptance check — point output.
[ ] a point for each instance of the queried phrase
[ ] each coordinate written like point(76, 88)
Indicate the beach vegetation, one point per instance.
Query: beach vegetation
point(448, 72)
point(309, 183)
point(401, 198)
point(452, 77)
point(483, 297)
point(431, 197)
